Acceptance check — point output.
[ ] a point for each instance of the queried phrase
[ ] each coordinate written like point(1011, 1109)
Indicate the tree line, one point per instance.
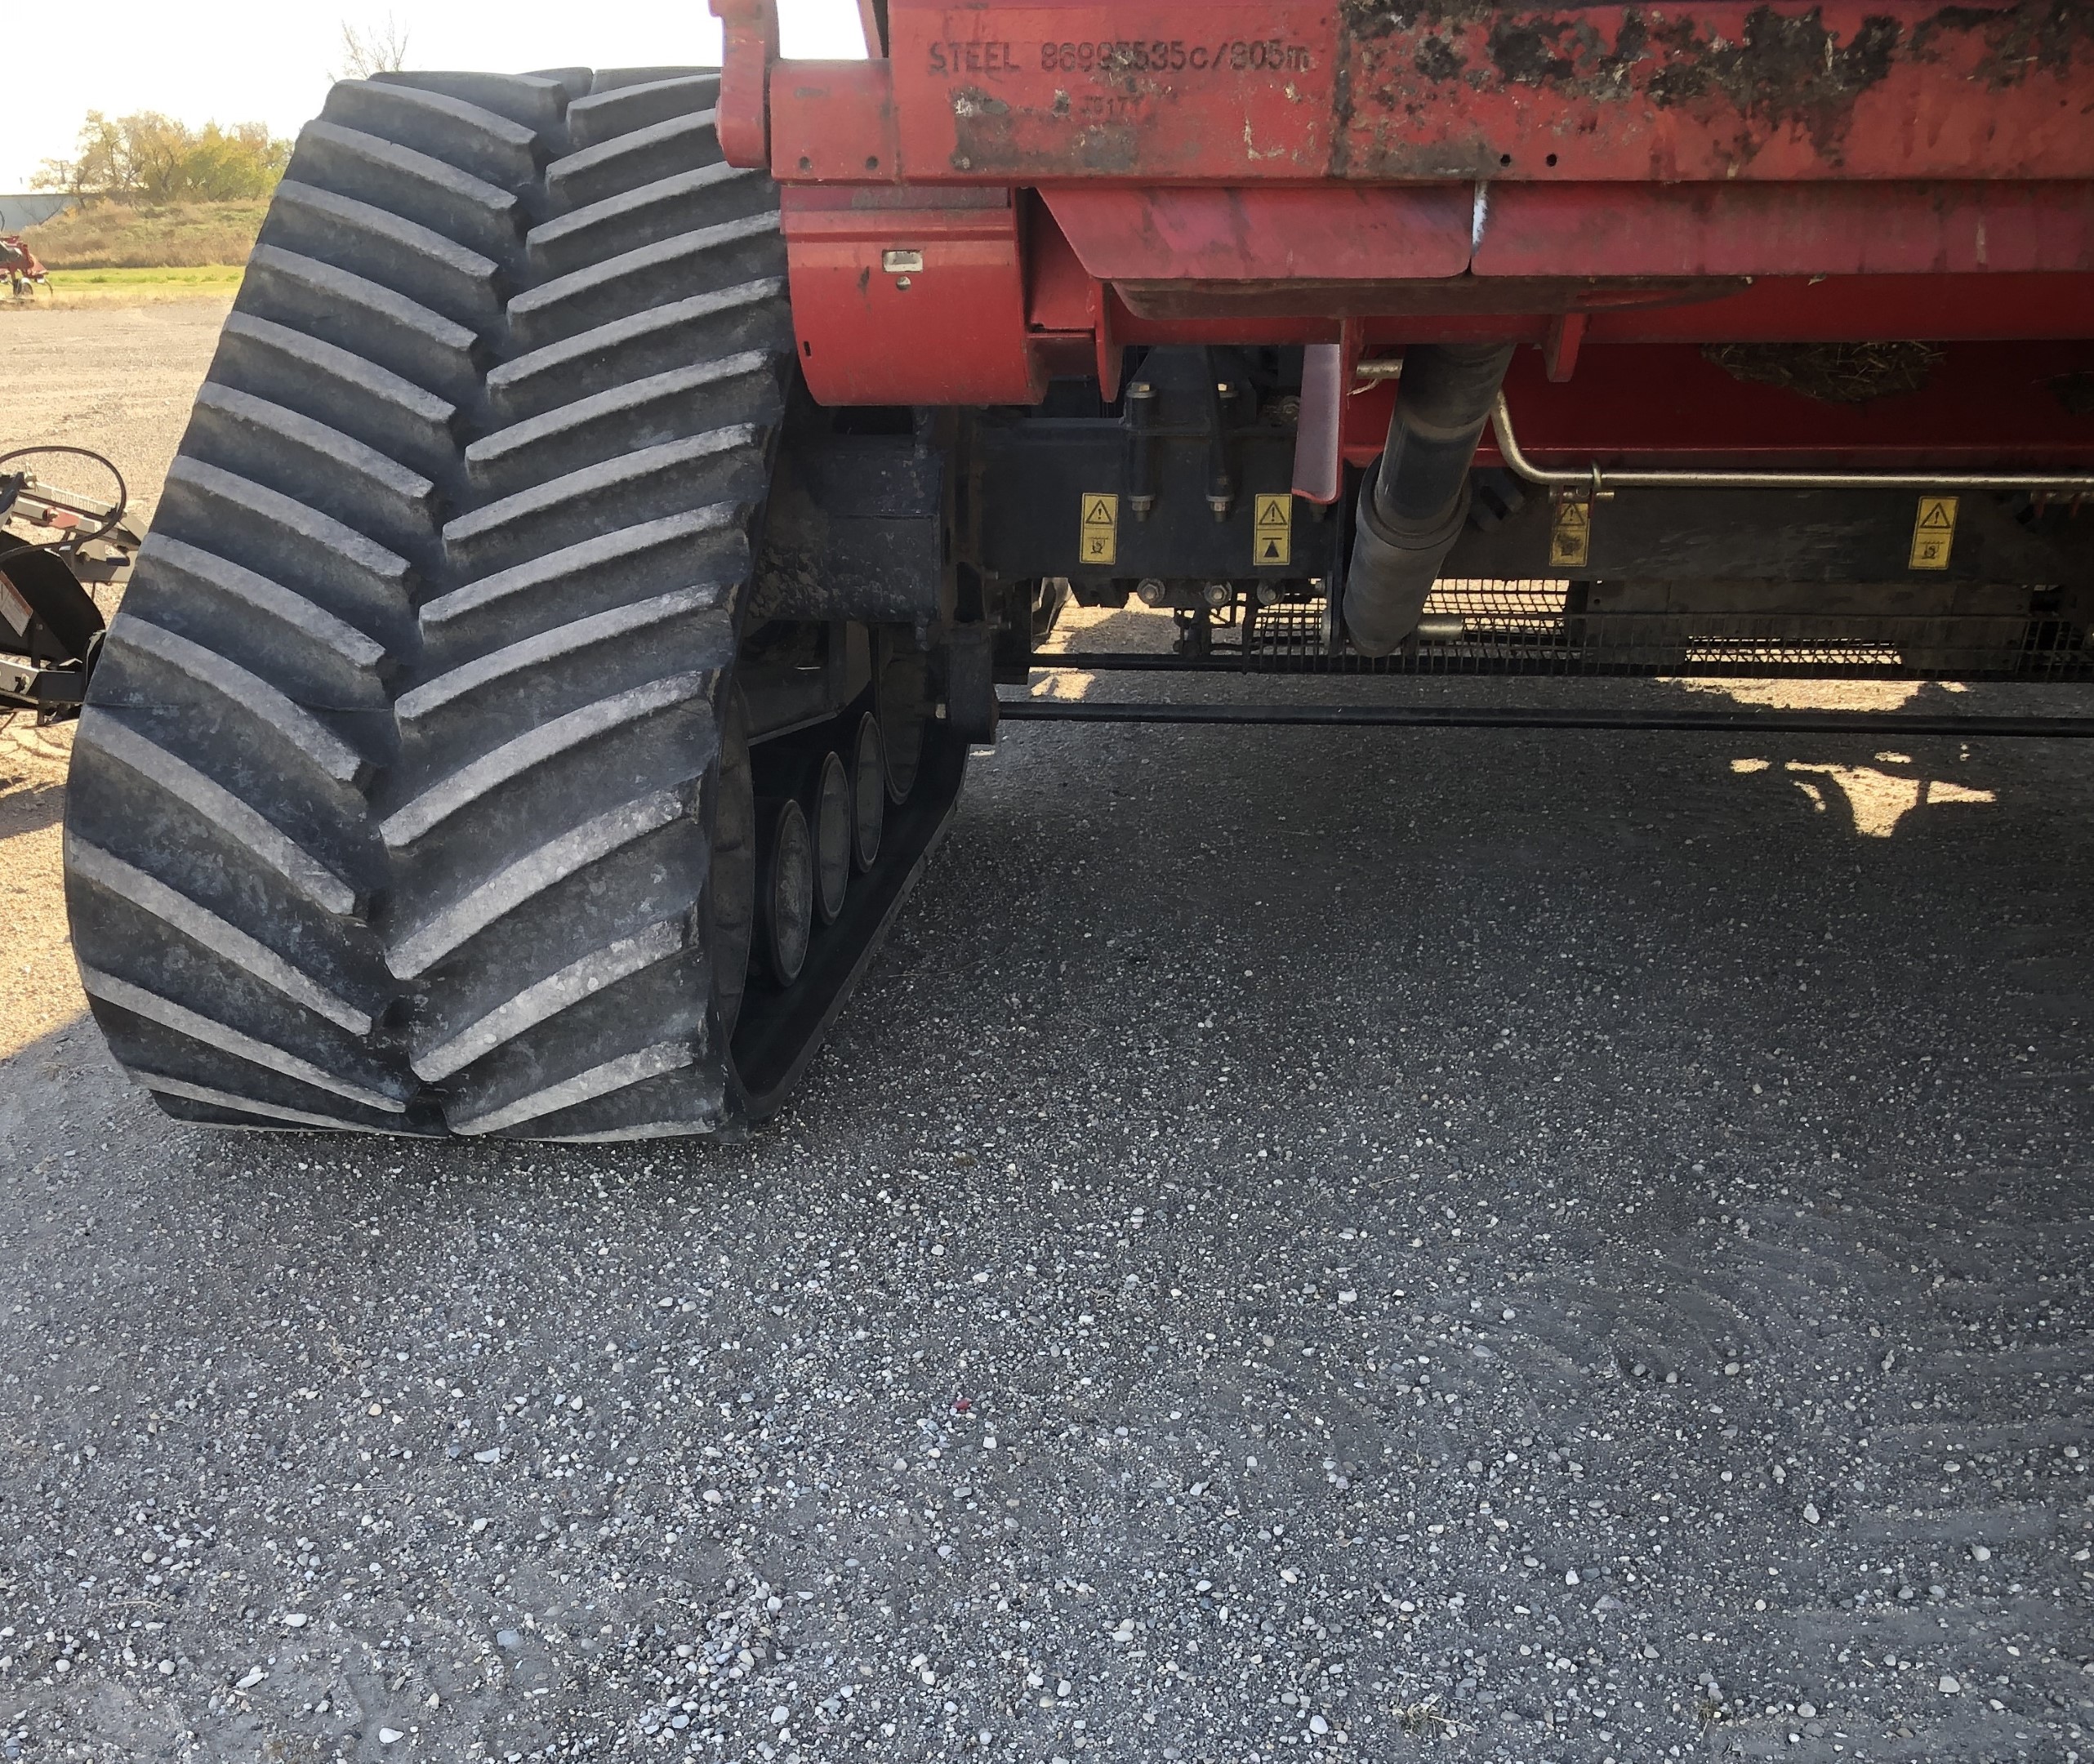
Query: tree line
point(148, 160)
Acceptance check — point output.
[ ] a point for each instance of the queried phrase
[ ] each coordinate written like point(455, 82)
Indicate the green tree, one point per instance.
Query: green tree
point(148, 160)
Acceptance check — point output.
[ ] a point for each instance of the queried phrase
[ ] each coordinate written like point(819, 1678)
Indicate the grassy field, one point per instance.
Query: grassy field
point(72, 289)
point(210, 278)
point(107, 236)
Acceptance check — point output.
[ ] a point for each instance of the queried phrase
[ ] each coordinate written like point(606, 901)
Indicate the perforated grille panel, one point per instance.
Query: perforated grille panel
point(1543, 626)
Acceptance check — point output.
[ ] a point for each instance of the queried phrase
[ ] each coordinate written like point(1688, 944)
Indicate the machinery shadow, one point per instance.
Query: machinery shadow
point(1444, 884)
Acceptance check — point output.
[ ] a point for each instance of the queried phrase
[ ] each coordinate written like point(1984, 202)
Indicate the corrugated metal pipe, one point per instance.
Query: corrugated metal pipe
point(1416, 499)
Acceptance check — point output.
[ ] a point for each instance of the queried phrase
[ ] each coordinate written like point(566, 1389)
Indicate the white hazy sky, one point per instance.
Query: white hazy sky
point(270, 61)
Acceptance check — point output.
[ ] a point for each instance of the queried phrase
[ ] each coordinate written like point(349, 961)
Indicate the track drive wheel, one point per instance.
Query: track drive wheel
point(416, 791)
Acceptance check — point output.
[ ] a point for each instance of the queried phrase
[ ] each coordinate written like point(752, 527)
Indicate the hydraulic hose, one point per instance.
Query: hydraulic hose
point(1416, 499)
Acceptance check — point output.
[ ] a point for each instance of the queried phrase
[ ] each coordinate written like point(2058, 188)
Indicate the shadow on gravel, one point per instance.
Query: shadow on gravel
point(28, 806)
point(1485, 1245)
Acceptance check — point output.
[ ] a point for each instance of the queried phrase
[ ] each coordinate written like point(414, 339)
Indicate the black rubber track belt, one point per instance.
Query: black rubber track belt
point(393, 807)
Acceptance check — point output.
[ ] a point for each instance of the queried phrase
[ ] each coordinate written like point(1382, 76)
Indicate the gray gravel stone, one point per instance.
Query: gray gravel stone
point(778, 1491)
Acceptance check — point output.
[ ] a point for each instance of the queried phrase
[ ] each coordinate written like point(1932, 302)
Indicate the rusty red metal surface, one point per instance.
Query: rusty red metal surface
point(1234, 92)
point(1074, 178)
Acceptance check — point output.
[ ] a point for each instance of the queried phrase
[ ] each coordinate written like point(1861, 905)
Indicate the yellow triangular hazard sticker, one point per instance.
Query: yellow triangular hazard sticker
point(1933, 533)
point(1572, 517)
point(1273, 523)
point(1099, 532)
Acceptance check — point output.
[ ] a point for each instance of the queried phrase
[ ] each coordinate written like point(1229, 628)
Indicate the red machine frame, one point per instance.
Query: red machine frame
point(1005, 192)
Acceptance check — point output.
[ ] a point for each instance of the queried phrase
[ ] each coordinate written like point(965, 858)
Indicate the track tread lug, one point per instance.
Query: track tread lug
point(194, 1026)
point(740, 388)
point(211, 931)
point(418, 946)
point(642, 280)
point(411, 260)
point(282, 450)
point(368, 401)
point(517, 757)
point(476, 141)
point(366, 318)
point(481, 217)
point(702, 328)
point(682, 142)
point(316, 745)
point(641, 98)
point(534, 101)
point(667, 209)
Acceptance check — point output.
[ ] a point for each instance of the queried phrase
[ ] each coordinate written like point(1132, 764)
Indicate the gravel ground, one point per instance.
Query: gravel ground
point(120, 381)
point(117, 379)
point(1345, 1244)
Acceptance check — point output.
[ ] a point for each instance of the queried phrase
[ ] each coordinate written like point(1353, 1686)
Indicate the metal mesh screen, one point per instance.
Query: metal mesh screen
point(1558, 627)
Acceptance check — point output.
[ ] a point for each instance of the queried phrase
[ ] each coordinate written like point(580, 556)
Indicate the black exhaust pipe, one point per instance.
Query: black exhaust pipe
point(1416, 499)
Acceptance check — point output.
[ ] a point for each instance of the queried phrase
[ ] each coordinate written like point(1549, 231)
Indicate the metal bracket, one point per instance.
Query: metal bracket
point(52, 693)
point(1319, 456)
point(750, 30)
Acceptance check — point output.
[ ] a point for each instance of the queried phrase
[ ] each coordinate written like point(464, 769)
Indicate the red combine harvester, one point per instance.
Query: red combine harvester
point(619, 495)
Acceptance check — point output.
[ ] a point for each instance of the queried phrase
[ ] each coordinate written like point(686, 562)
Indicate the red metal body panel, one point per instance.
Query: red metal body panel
point(1763, 229)
point(1077, 177)
point(1985, 405)
point(1920, 309)
point(865, 324)
point(831, 123)
point(1217, 238)
point(1239, 90)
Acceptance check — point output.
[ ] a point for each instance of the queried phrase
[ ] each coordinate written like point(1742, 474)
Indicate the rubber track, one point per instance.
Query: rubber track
point(223, 857)
point(454, 548)
point(548, 825)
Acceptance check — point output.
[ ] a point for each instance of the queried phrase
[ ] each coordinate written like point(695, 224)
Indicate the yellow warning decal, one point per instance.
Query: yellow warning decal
point(1570, 539)
point(1274, 547)
point(1101, 529)
point(1934, 532)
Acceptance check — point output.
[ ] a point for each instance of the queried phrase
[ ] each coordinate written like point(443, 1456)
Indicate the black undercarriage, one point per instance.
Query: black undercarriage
point(1157, 501)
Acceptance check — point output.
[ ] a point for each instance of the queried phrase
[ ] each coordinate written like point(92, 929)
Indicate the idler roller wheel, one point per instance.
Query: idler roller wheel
point(868, 793)
point(785, 888)
point(901, 702)
point(829, 817)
